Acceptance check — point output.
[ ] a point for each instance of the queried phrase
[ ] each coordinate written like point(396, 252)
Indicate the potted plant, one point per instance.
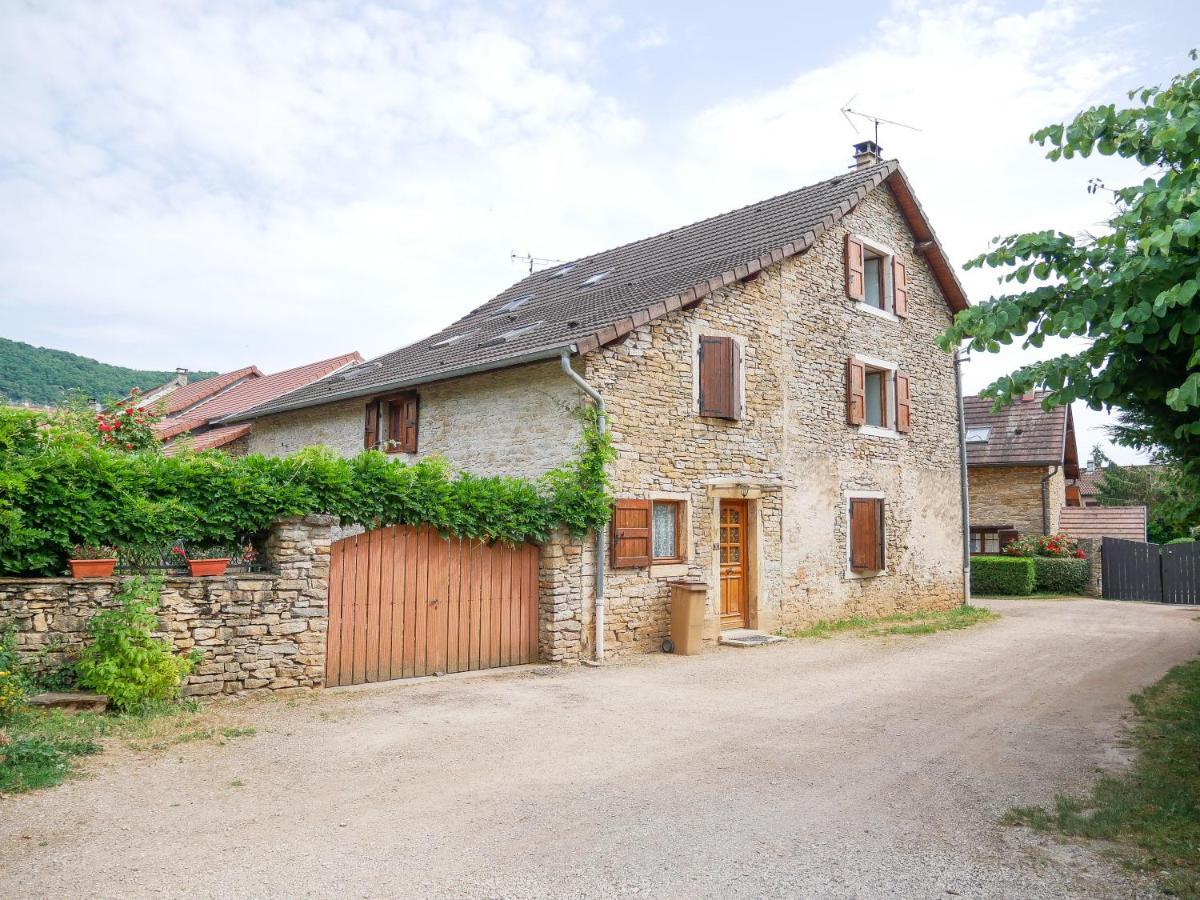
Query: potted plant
point(93, 561)
point(208, 559)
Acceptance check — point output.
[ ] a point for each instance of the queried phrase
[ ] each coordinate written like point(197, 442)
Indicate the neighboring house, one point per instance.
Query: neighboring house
point(786, 428)
point(1088, 486)
point(1127, 522)
point(1018, 461)
point(192, 411)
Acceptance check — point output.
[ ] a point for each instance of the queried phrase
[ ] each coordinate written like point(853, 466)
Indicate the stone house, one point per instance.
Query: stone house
point(1018, 462)
point(787, 430)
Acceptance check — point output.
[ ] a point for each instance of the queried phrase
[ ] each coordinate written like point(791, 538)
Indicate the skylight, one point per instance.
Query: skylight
point(561, 272)
point(453, 339)
point(514, 304)
point(357, 371)
point(978, 434)
point(510, 335)
point(597, 278)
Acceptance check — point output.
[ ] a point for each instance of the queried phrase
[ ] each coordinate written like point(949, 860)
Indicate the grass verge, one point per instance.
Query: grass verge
point(1152, 810)
point(1036, 595)
point(39, 749)
point(899, 624)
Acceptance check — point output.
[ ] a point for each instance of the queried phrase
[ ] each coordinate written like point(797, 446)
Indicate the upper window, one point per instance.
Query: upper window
point(391, 424)
point(878, 396)
point(978, 434)
point(866, 534)
point(720, 362)
point(875, 277)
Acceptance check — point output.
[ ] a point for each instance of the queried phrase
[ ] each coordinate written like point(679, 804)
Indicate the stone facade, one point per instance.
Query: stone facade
point(1012, 495)
point(512, 422)
point(256, 632)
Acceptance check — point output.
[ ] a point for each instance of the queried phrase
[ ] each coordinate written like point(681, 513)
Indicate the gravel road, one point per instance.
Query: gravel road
point(847, 767)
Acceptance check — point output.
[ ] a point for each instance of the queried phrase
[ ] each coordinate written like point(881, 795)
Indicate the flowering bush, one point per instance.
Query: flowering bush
point(94, 551)
point(1059, 546)
point(12, 694)
point(129, 427)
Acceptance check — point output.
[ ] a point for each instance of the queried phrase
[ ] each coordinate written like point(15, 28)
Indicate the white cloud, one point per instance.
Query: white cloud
point(210, 184)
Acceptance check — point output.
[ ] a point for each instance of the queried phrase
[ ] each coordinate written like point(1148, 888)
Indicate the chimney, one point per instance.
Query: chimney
point(866, 153)
point(181, 376)
point(1029, 396)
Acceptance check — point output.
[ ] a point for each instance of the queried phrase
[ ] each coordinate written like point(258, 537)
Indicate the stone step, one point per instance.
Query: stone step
point(748, 637)
point(70, 701)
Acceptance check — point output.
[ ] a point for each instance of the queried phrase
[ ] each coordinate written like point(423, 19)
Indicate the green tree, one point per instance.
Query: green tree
point(1130, 291)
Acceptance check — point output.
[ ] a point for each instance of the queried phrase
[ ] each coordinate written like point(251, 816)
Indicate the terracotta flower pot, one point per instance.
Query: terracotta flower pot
point(199, 568)
point(92, 568)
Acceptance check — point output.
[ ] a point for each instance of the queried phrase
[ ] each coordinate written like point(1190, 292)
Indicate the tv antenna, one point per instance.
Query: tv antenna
point(876, 120)
point(532, 260)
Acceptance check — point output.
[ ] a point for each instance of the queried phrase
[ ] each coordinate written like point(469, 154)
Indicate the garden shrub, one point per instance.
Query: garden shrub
point(124, 661)
point(1182, 540)
point(59, 488)
point(1061, 576)
point(1010, 575)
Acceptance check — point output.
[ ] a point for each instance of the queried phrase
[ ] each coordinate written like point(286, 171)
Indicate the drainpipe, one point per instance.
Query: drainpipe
point(1046, 499)
point(601, 533)
point(962, 468)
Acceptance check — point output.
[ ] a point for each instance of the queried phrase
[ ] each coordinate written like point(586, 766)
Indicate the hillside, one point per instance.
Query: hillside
point(44, 377)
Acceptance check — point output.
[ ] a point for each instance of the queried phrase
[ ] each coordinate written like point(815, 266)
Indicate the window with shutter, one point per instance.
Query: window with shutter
point(371, 426)
point(899, 288)
point(403, 413)
point(856, 391)
point(631, 532)
point(903, 402)
point(720, 361)
point(668, 527)
point(866, 534)
point(855, 275)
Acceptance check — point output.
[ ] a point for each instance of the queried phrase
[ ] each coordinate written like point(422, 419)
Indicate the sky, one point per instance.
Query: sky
point(212, 184)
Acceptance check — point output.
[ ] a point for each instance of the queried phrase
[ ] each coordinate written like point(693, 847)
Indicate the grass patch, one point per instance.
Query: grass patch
point(41, 748)
point(1152, 810)
point(1036, 595)
point(913, 623)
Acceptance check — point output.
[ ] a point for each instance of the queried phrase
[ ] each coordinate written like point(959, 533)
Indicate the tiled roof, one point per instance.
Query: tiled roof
point(251, 392)
point(1089, 483)
point(597, 299)
point(1023, 433)
point(1128, 522)
point(196, 391)
point(207, 440)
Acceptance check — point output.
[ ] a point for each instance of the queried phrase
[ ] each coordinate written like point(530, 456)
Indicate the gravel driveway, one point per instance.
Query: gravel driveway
point(840, 768)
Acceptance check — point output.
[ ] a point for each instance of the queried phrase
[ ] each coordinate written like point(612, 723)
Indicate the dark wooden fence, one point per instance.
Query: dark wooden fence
point(1132, 570)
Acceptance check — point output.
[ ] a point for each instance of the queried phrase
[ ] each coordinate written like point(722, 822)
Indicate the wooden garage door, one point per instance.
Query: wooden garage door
point(405, 601)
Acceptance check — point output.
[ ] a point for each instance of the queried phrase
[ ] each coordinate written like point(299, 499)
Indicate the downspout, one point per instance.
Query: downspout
point(601, 533)
point(962, 472)
point(1046, 499)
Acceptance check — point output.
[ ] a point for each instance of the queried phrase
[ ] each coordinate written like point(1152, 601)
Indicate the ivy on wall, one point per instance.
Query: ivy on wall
point(58, 488)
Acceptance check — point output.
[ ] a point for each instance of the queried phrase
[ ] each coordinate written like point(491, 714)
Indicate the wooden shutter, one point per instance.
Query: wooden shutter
point(899, 287)
point(855, 277)
point(631, 534)
point(903, 402)
point(403, 414)
point(856, 392)
point(371, 426)
point(720, 377)
point(866, 534)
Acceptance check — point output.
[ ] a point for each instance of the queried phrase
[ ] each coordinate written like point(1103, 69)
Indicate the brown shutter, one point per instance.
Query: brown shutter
point(903, 402)
point(719, 363)
point(900, 287)
point(855, 279)
point(880, 536)
point(371, 428)
point(863, 539)
point(402, 423)
point(856, 392)
point(631, 534)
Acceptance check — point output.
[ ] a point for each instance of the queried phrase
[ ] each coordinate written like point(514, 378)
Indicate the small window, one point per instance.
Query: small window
point(991, 541)
point(876, 397)
point(668, 529)
point(978, 434)
point(866, 534)
point(402, 421)
point(874, 281)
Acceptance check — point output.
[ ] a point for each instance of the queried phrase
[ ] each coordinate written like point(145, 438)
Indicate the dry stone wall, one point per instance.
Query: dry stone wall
point(255, 632)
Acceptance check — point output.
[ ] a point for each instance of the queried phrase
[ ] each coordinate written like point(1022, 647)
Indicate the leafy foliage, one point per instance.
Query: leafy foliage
point(124, 660)
point(1131, 291)
point(59, 489)
point(128, 426)
point(42, 376)
point(1170, 494)
point(1054, 545)
point(1006, 575)
point(1056, 575)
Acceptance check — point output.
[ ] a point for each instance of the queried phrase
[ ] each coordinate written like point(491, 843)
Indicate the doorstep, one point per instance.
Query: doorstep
point(748, 637)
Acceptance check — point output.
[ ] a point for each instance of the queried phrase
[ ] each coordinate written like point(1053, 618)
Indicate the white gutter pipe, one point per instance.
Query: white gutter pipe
point(601, 533)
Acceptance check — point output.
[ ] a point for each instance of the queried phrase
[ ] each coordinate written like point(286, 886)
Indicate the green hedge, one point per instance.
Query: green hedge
point(58, 489)
point(1002, 575)
point(1061, 575)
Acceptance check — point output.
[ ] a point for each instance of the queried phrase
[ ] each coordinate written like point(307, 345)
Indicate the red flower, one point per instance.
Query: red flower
point(129, 411)
point(104, 427)
point(1079, 554)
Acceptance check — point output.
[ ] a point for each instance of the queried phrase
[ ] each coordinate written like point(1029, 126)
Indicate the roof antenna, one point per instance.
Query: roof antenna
point(877, 120)
point(514, 256)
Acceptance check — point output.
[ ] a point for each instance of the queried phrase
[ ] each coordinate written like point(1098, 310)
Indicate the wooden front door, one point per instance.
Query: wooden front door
point(735, 565)
point(405, 601)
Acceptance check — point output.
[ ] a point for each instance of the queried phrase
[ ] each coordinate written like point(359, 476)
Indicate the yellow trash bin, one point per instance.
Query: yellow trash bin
point(687, 616)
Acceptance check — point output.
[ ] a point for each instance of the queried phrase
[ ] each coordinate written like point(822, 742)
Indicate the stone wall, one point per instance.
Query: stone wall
point(256, 632)
point(1012, 495)
point(512, 422)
